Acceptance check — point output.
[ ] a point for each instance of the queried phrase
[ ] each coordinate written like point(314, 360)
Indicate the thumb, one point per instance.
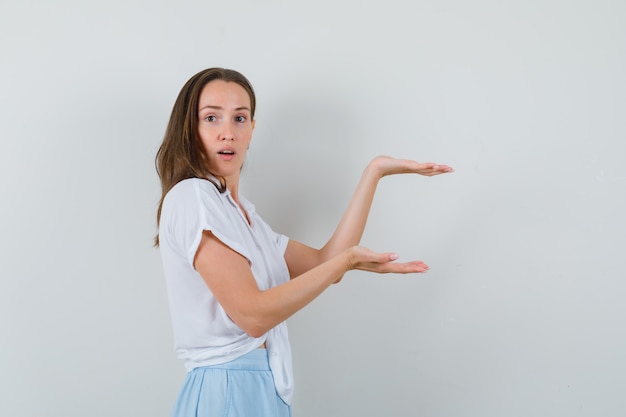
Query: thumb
point(385, 257)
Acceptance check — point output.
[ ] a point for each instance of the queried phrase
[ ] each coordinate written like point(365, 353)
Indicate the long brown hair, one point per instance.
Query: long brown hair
point(181, 154)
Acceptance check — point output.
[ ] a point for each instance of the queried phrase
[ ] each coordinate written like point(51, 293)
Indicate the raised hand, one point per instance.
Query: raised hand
point(386, 165)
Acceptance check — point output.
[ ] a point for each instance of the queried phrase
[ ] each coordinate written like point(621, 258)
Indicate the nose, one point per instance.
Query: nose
point(227, 134)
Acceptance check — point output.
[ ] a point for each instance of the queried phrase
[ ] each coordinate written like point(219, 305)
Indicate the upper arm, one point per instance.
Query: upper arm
point(228, 275)
point(300, 258)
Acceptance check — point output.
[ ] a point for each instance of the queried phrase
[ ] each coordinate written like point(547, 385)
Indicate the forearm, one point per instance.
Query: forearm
point(350, 229)
point(268, 308)
point(229, 277)
point(273, 306)
point(301, 258)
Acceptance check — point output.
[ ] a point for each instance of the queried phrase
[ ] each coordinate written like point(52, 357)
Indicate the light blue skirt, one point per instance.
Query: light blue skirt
point(240, 388)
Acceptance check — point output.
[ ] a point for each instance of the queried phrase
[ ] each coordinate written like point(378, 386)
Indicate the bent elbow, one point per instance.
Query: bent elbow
point(255, 333)
point(254, 328)
point(255, 319)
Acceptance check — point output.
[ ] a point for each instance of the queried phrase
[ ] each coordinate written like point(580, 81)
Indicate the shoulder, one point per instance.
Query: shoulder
point(188, 207)
point(181, 189)
point(190, 190)
point(189, 198)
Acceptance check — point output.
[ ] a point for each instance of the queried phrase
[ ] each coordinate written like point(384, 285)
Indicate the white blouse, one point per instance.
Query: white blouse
point(204, 335)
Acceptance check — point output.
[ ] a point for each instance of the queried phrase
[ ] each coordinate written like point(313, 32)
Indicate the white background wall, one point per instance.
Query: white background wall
point(522, 313)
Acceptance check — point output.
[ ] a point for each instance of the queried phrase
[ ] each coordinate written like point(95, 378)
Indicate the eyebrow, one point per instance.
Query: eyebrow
point(222, 108)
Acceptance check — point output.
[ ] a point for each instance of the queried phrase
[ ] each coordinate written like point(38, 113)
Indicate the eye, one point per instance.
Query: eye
point(210, 118)
point(240, 119)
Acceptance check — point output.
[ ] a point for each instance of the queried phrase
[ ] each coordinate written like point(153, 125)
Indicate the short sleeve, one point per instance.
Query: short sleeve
point(280, 240)
point(191, 207)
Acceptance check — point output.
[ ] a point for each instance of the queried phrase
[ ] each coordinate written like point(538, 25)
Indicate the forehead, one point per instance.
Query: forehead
point(224, 94)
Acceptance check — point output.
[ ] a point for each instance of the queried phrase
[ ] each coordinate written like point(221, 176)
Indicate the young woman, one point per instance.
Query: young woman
point(232, 281)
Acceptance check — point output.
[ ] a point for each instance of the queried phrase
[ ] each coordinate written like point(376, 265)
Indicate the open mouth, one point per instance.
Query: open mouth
point(226, 152)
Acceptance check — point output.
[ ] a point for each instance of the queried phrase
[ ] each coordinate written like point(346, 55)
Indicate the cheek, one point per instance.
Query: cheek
point(245, 132)
point(206, 133)
point(204, 141)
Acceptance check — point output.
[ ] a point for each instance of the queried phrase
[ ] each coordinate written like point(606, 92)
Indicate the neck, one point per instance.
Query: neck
point(234, 193)
point(233, 188)
point(232, 183)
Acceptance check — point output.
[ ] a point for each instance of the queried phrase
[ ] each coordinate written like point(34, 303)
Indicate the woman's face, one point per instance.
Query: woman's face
point(225, 126)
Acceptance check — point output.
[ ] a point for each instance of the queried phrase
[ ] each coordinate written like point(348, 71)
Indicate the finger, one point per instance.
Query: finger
point(427, 166)
point(383, 258)
point(445, 168)
point(437, 170)
point(408, 267)
point(363, 258)
point(396, 268)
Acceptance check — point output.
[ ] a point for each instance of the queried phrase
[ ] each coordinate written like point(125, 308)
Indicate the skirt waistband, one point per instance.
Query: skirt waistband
point(257, 360)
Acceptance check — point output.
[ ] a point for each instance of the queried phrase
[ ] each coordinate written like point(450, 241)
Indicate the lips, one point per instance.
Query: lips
point(226, 154)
